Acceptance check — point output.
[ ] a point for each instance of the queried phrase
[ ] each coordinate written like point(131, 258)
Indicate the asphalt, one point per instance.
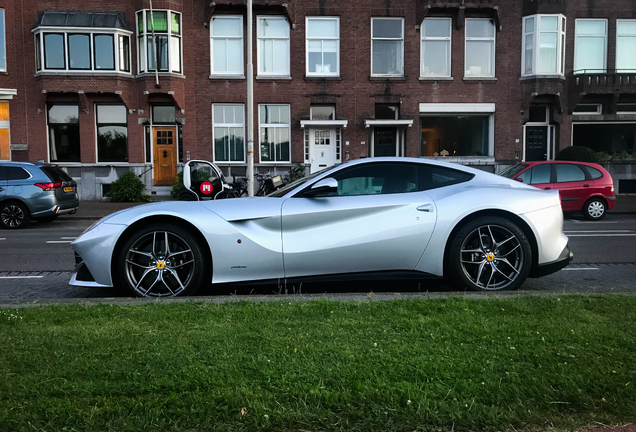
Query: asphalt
point(95, 210)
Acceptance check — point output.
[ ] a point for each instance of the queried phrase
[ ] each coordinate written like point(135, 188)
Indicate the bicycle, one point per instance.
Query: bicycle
point(267, 184)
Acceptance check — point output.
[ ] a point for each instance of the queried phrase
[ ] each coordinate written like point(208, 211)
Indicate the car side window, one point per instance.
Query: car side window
point(569, 173)
point(2, 177)
point(432, 177)
point(526, 176)
point(376, 179)
point(594, 173)
point(15, 173)
point(541, 174)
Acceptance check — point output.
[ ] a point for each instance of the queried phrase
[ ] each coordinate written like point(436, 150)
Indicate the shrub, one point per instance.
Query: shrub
point(177, 185)
point(603, 157)
point(127, 188)
point(296, 172)
point(577, 154)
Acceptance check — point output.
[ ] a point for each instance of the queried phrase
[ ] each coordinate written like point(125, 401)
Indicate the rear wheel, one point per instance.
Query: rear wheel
point(594, 209)
point(14, 215)
point(162, 260)
point(489, 254)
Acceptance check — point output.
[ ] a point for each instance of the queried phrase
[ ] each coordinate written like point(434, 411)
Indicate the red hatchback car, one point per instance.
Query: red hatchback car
point(585, 187)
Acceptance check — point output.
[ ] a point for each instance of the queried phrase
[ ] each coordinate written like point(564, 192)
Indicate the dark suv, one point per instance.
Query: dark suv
point(34, 190)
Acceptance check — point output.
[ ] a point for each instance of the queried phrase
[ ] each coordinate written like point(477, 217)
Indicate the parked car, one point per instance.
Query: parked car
point(34, 191)
point(368, 218)
point(584, 187)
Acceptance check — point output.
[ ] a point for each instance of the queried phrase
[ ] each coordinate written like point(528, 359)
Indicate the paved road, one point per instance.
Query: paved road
point(35, 264)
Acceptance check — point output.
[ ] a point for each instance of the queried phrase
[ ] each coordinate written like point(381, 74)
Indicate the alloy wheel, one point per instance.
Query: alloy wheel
point(12, 216)
point(159, 264)
point(491, 256)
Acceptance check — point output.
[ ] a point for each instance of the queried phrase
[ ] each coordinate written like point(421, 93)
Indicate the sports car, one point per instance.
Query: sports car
point(368, 218)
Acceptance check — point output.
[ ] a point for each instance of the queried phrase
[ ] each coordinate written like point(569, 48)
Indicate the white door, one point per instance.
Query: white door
point(322, 148)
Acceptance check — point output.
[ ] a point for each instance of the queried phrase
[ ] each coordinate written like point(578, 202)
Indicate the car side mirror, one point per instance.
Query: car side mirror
point(324, 186)
point(519, 179)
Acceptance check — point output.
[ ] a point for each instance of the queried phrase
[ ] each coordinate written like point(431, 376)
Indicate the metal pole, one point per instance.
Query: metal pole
point(250, 104)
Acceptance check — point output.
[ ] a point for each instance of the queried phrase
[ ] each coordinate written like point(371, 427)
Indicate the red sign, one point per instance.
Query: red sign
point(206, 188)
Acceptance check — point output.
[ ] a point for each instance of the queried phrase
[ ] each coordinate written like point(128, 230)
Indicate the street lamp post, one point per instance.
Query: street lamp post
point(250, 104)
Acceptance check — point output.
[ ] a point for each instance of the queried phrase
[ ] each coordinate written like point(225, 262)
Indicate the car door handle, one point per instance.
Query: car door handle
point(547, 188)
point(426, 208)
point(586, 185)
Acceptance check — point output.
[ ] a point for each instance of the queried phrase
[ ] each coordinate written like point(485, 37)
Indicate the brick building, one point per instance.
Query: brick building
point(483, 82)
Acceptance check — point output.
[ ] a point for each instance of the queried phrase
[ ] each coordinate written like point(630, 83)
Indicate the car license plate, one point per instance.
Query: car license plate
point(68, 189)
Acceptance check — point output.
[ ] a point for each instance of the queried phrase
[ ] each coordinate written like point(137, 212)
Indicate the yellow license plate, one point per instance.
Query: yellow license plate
point(68, 189)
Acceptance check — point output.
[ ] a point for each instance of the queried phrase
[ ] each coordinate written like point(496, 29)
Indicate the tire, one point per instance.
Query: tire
point(594, 209)
point(147, 269)
point(47, 219)
point(473, 262)
point(14, 215)
point(186, 196)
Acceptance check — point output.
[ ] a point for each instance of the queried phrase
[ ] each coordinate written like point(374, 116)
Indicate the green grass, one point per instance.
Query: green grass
point(525, 363)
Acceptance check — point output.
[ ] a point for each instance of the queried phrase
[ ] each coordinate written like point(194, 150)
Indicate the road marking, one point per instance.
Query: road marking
point(59, 241)
point(590, 231)
point(2, 238)
point(21, 277)
point(68, 238)
point(574, 269)
point(592, 222)
point(602, 235)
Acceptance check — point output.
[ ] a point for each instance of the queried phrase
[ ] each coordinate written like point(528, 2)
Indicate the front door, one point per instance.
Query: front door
point(322, 151)
point(5, 144)
point(165, 155)
point(536, 143)
point(385, 141)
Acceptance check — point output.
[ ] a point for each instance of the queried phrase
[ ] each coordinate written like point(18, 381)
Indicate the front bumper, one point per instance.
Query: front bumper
point(81, 276)
point(554, 266)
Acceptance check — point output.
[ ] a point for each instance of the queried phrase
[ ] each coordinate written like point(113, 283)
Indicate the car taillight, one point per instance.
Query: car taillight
point(49, 186)
point(612, 189)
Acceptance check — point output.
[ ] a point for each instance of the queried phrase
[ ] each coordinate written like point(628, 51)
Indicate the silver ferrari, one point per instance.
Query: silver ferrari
point(369, 218)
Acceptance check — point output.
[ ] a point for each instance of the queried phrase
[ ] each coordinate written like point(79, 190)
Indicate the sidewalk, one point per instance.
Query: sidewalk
point(95, 210)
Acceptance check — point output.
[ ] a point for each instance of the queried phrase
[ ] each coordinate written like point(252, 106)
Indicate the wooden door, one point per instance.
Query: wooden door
point(165, 155)
point(5, 143)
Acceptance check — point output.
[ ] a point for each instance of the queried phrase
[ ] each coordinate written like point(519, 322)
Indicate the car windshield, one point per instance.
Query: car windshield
point(283, 191)
point(513, 170)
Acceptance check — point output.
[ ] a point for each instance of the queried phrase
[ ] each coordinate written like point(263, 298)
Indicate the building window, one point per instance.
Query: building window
point(590, 46)
point(625, 45)
point(64, 137)
point(163, 50)
point(543, 45)
point(228, 133)
point(459, 135)
point(226, 45)
point(436, 47)
point(274, 128)
point(82, 52)
point(273, 46)
point(163, 114)
point(3, 44)
point(323, 46)
point(605, 137)
point(480, 48)
point(587, 109)
point(387, 46)
point(322, 112)
point(386, 112)
point(112, 133)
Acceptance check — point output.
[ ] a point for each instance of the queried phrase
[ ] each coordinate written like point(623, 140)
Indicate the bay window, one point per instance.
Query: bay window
point(159, 41)
point(543, 50)
point(590, 46)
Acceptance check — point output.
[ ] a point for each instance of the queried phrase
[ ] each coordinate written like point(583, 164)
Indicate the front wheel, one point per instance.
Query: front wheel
point(594, 209)
point(162, 260)
point(489, 254)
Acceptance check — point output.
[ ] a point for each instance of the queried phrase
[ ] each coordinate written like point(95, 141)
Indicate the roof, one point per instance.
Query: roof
point(82, 19)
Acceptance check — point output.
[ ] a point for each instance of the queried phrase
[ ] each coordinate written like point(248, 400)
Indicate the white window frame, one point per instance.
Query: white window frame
point(91, 32)
point(536, 39)
point(95, 119)
point(238, 73)
point(598, 111)
point(273, 125)
point(618, 108)
point(424, 39)
point(492, 39)
point(618, 21)
point(577, 36)
point(259, 39)
point(142, 64)
point(228, 125)
point(336, 73)
point(387, 39)
point(3, 47)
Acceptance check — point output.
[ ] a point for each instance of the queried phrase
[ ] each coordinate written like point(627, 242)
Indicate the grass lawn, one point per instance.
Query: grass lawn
point(484, 365)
